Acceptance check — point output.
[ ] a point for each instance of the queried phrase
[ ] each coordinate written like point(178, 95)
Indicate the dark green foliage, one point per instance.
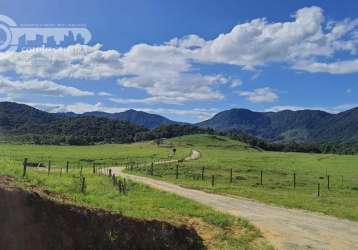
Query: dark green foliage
point(304, 126)
point(23, 123)
point(26, 124)
point(326, 148)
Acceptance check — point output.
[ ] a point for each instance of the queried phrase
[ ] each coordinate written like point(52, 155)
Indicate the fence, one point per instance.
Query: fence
point(99, 169)
point(251, 176)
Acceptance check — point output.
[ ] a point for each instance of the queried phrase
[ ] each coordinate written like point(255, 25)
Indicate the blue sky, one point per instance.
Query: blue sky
point(188, 60)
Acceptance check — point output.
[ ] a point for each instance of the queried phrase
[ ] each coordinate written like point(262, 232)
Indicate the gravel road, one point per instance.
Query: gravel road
point(285, 228)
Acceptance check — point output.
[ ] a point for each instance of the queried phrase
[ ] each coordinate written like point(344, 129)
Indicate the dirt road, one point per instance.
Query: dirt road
point(285, 228)
point(194, 155)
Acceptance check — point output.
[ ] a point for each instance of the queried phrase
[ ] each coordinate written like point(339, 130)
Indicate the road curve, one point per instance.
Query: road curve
point(285, 228)
point(195, 155)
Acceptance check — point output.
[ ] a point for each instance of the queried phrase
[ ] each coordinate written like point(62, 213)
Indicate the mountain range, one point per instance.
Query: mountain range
point(309, 126)
point(313, 126)
point(19, 122)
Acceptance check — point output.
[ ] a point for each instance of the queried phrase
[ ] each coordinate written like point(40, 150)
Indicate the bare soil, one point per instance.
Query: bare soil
point(195, 154)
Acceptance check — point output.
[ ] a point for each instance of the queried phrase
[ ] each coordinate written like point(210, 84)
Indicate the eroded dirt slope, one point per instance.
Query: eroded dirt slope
point(30, 220)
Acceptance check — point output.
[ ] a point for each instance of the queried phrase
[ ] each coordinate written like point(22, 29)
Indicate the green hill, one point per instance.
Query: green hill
point(312, 126)
point(23, 123)
point(207, 140)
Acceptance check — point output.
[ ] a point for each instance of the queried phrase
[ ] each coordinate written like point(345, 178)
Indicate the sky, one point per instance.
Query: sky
point(185, 60)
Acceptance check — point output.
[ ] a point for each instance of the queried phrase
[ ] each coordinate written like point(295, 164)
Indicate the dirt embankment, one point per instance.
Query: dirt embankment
point(30, 220)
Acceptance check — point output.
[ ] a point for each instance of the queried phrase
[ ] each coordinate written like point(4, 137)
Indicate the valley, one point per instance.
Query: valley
point(211, 163)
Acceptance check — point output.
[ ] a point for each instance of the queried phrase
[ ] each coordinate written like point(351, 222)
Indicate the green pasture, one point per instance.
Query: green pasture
point(221, 155)
point(219, 231)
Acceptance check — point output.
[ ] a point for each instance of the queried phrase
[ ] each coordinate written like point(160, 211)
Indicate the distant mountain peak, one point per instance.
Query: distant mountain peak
point(133, 116)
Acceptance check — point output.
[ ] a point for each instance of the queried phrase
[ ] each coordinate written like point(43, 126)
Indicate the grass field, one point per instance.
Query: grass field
point(218, 231)
point(220, 155)
point(107, 154)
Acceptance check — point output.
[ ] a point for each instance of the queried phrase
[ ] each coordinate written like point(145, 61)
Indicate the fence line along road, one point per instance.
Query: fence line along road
point(285, 228)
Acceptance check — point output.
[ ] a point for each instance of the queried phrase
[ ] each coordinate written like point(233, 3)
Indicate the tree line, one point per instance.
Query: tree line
point(320, 148)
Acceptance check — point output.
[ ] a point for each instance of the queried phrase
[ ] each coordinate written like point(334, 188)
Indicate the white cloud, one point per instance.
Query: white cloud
point(196, 114)
point(10, 87)
point(73, 62)
point(150, 100)
point(260, 95)
point(103, 93)
point(78, 107)
point(341, 67)
point(236, 83)
point(166, 74)
point(188, 42)
point(258, 42)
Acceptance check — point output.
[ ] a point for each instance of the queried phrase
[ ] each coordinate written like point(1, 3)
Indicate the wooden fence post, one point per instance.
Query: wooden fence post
point(328, 182)
point(294, 180)
point(261, 183)
point(212, 180)
point(120, 186)
point(94, 168)
point(110, 172)
point(124, 185)
point(231, 175)
point(202, 173)
point(83, 183)
point(318, 189)
point(152, 169)
point(114, 179)
point(177, 172)
point(67, 165)
point(25, 167)
point(49, 167)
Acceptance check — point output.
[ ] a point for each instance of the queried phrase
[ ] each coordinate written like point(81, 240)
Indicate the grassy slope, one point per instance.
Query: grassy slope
point(219, 231)
point(220, 154)
point(107, 153)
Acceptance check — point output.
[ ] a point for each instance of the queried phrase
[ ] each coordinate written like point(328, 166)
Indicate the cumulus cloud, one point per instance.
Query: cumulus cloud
point(166, 74)
point(188, 42)
point(170, 72)
point(258, 41)
point(73, 62)
point(260, 95)
point(11, 87)
point(341, 67)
